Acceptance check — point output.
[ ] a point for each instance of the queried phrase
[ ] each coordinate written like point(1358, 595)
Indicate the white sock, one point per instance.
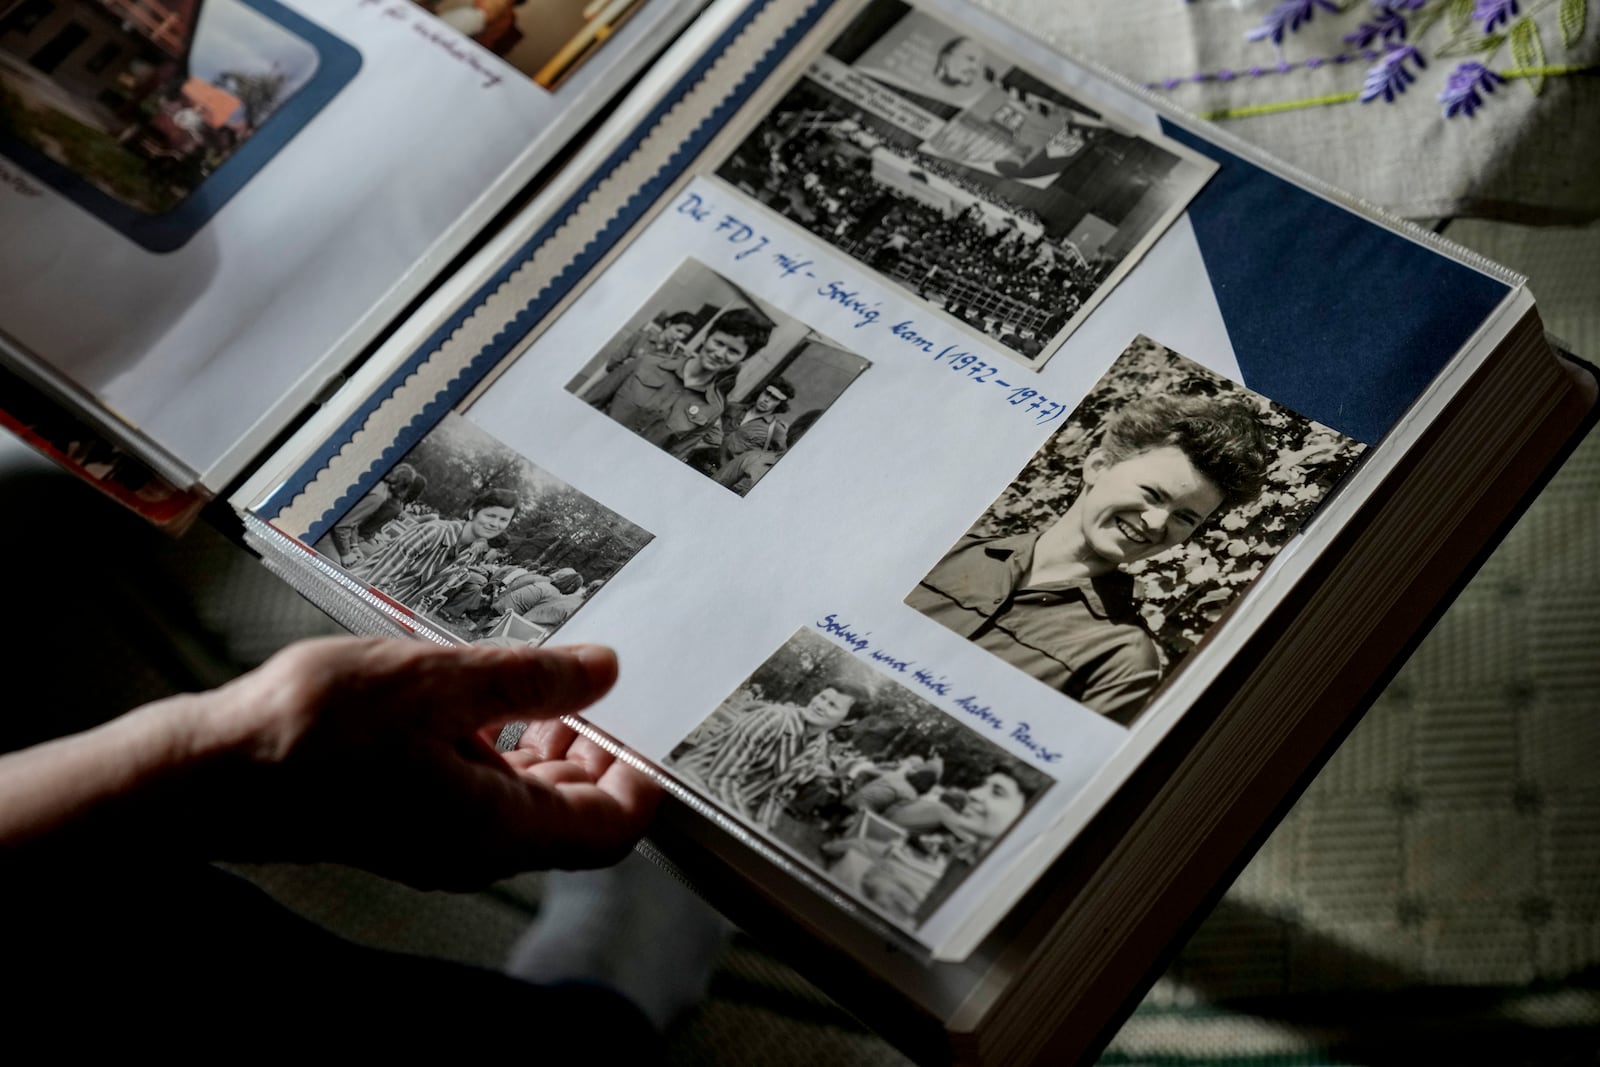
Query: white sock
point(632, 928)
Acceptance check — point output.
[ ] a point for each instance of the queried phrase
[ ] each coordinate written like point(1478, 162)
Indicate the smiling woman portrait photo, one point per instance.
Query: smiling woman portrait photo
point(1053, 578)
point(407, 566)
point(757, 761)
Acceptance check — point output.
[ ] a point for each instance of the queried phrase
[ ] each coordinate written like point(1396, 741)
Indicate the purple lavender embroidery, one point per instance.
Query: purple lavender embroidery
point(1387, 23)
point(1288, 16)
point(1460, 96)
point(1381, 37)
point(1493, 12)
point(1389, 77)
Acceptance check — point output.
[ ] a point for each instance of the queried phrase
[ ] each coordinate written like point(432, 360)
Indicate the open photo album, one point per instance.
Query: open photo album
point(997, 486)
point(892, 433)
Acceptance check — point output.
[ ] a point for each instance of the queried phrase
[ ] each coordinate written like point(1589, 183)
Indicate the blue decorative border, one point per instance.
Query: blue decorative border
point(337, 64)
point(540, 306)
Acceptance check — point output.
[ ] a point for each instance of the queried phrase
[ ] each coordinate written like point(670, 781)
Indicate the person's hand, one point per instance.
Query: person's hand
point(379, 753)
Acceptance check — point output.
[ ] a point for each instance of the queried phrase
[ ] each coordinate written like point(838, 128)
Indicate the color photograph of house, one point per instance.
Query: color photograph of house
point(143, 99)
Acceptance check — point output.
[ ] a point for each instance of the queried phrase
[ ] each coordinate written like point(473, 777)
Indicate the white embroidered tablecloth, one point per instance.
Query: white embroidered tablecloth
point(1529, 151)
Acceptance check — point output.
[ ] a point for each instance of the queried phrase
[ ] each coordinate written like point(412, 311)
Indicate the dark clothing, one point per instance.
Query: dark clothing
point(1081, 637)
point(128, 952)
point(163, 955)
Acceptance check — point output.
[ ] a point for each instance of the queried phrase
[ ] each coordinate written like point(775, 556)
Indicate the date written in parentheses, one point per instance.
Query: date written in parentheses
point(976, 370)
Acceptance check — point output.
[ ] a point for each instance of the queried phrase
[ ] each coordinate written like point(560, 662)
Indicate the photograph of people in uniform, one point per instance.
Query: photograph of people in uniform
point(716, 377)
point(1006, 203)
point(1180, 487)
point(486, 545)
point(869, 785)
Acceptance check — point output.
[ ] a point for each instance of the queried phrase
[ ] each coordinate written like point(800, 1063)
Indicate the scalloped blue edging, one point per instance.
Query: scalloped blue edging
point(518, 325)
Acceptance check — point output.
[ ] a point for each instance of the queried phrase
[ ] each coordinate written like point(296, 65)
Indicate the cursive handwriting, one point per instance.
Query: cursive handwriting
point(465, 54)
point(864, 305)
point(792, 264)
point(906, 331)
point(889, 661)
point(1023, 736)
point(833, 626)
point(972, 707)
point(866, 314)
point(694, 207)
point(437, 34)
point(981, 712)
point(927, 680)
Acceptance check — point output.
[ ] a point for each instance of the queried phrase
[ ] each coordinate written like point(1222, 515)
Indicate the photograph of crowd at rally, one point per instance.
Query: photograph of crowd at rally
point(715, 377)
point(483, 543)
point(986, 192)
point(1017, 289)
point(890, 798)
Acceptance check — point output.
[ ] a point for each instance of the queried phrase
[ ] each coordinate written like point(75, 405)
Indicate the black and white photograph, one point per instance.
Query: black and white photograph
point(716, 377)
point(480, 541)
point(1167, 491)
point(885, 795)
point(1006, 203)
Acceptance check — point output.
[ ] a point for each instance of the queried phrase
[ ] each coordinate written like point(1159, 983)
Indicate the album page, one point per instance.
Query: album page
point(898, 439)
point(209, 212)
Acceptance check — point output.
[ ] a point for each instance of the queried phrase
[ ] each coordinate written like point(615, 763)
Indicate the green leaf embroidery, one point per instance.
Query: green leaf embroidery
point(1470, 46)
point(1487, 43)
point(1424, 22)
point(1527, 51)
point(1573, 14)
point(1460, 12)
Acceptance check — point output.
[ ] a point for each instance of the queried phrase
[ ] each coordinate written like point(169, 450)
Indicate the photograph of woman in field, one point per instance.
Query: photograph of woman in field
point(486, 545)
point(889, 798)
point(412, 567)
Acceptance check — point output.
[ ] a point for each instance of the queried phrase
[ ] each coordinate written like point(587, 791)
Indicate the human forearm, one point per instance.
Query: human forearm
point(376, 753)
point(63, 788)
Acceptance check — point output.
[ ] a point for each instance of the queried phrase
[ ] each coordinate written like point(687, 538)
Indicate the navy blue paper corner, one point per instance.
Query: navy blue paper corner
point(1334, 317)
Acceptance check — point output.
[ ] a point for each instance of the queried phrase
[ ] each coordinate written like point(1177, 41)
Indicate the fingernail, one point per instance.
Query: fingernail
point(596, 660)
